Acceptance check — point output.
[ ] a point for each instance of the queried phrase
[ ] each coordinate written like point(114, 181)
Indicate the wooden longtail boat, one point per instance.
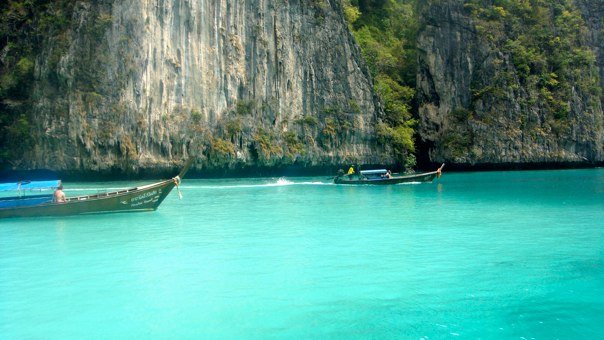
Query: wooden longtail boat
point(383, 177)
point(141, 198)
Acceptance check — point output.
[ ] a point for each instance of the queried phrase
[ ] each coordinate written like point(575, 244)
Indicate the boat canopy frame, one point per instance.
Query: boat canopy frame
point(30, 185)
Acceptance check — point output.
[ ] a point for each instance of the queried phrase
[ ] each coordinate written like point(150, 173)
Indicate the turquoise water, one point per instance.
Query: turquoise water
point(489, 255)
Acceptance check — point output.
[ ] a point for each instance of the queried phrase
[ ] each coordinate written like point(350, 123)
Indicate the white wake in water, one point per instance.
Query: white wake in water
point(281, 182)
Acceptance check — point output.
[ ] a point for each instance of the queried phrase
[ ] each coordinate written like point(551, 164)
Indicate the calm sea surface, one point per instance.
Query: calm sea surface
point(486, 254)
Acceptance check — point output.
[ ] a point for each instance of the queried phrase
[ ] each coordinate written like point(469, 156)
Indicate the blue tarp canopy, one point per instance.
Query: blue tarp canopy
point(30, 185)
point(374, 172)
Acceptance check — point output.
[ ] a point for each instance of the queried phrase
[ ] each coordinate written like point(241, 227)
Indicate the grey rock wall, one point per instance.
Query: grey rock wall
point(243, 83)
point(475, 110)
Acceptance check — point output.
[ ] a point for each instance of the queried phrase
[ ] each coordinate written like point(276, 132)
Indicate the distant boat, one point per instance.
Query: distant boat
point(383, 177)
point(141, 198)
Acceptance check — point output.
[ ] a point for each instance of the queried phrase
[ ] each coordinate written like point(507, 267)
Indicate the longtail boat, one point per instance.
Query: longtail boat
point(383, 177)
point(140, 198)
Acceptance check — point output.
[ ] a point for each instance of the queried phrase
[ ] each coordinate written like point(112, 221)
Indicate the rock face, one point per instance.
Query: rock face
point(481, 103)
point(241, 83)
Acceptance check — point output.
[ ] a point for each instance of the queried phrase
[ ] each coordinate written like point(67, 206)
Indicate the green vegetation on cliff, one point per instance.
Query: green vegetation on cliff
point(533, 58)
point(546, 42)
point(386, 31)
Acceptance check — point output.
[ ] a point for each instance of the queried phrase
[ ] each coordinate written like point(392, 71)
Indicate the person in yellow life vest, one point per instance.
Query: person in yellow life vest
point(351, 170)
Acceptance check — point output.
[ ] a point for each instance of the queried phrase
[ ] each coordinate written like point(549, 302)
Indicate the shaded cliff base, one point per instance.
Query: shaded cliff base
point(424, 163)
point(203, 173)
point(521, 166)
point(301, 171)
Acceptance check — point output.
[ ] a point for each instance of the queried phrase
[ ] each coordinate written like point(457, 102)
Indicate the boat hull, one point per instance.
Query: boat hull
point(144, 198)
point(423, 177)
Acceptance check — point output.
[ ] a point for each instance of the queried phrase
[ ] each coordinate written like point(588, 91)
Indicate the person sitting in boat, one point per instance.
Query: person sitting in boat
point(387, 175)
point(351, 170)
point(59, 195)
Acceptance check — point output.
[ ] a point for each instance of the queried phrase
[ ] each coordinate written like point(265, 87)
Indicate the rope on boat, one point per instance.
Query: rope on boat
point(177, 183)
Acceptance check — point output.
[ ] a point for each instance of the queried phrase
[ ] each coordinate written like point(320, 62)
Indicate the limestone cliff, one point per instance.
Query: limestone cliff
point(511, 85)
point(244, 83)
